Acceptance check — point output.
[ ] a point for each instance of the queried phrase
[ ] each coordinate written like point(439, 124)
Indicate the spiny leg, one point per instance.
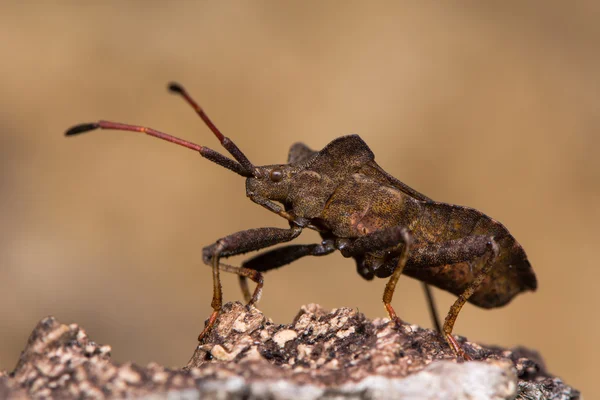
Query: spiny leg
point(279, 257)
point(239, 243)
point(462, 299)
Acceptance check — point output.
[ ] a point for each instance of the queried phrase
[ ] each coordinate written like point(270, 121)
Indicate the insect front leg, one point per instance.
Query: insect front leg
point(279, 257)
point(244, 274)
point(239, 243)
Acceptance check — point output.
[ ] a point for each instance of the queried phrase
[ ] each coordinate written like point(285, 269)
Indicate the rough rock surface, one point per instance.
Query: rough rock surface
point(320, 355)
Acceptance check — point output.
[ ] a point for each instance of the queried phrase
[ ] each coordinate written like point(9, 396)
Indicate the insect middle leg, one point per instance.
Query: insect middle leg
point(239, 243)
point(281, 256)
point(388, 293)
point(396, 238)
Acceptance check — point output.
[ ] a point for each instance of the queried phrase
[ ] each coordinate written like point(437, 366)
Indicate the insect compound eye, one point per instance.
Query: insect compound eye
point(276, 175)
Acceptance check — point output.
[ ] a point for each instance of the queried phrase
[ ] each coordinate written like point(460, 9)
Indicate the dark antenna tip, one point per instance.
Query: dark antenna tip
point(81, 128)
point(175, 88)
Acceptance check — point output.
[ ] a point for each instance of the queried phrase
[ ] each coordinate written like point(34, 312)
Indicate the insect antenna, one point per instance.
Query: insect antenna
point(225, 141)
point(244, 167)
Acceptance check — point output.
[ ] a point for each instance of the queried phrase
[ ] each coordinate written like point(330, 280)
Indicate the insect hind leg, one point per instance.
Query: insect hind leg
point(279, 257)
point(487, 264)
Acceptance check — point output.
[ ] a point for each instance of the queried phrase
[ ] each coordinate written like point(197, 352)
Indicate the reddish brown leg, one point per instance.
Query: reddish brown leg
point(238, 243)
point(217, 300)
point(388, 293)
point(250, 299)
point(211, 321)
point(462, 299)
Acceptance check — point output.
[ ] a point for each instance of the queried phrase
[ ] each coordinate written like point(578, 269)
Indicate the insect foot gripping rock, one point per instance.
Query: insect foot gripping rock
point(321, 355)
point(388, 228)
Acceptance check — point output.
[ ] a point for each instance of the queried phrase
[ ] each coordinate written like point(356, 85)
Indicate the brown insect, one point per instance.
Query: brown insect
point(388, 228)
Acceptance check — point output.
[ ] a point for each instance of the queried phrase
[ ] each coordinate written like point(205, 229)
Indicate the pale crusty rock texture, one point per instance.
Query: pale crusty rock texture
point(321, 355)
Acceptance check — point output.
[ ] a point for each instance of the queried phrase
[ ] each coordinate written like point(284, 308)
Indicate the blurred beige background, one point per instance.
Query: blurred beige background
point(493, 105)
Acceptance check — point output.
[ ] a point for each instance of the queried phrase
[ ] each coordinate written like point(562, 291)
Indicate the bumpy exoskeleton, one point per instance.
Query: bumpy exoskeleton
point(388, 228)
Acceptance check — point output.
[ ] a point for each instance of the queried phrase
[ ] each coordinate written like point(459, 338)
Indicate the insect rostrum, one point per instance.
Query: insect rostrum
point(388, 228)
